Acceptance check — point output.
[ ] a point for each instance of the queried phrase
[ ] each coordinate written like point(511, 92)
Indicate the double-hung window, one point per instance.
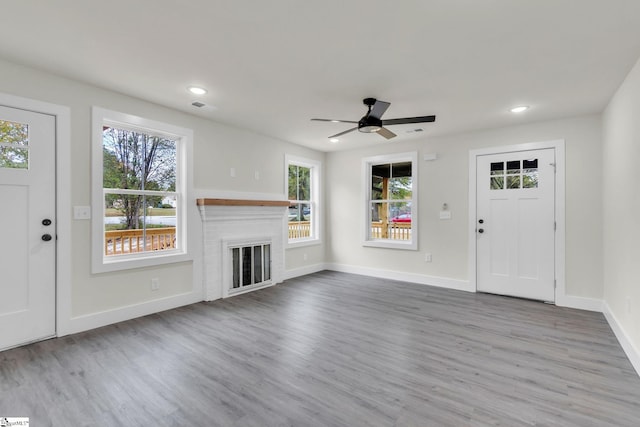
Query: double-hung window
point(303, 186)
point(391, 206)
point(139, 183)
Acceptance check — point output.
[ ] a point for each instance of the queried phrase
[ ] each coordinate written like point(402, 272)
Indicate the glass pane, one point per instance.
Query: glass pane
point(497, 182)
point(235, 255)
point(497, 168)
point(513, 167)
point(14, 158)
point(296, 212)
point(257, 266)
point(304, 183)
point(513, 181)
point(14, 141)
point(160, 221)
point(246, 266)
point(134, 160)
point(267, 262)
point(530, 180)
point(124, 224)
point(400, 222)
point(400, 212)
point(401, 170)
point(530, 173)
point(379, 211)
point(400, 188)
point(293, 182)
point(377, 192)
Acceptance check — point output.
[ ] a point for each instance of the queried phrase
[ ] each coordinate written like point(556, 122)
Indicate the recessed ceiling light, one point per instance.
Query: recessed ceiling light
point(196, 90)
point(334, 140)
point(519, 109)
point(335, 121)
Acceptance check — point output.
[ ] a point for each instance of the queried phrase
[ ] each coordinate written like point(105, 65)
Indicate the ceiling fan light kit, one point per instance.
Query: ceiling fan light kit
point(372, 121)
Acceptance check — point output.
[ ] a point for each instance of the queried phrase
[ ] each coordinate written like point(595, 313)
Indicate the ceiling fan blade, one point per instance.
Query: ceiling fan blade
point(342, 133)
point(421, 119)
point(378, 109)
point(333, 121)
point(386, 133)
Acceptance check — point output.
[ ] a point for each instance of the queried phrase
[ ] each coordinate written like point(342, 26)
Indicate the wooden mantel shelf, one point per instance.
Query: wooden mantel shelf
point(240, 202)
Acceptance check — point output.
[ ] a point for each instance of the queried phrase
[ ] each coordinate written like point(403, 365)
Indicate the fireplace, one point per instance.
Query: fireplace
point(243, 245)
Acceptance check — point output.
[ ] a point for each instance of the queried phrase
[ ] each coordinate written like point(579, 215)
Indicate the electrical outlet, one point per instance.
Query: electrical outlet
point(427, 258)
point(155, 284)
point(232, 172)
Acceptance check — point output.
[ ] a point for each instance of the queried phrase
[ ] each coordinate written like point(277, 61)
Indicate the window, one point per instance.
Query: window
point(391, 205)
point(302, 186)
point(140, 183)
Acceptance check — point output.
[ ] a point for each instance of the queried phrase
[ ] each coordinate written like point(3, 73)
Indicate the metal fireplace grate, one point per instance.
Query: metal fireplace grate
point(250, 266)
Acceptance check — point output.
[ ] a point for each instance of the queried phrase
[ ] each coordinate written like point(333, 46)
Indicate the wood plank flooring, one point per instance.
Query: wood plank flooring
point(332, 349)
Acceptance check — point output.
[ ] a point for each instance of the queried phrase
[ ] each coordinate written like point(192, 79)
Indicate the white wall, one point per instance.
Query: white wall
point(216, 148)
point(445, 180)
point(621, 203)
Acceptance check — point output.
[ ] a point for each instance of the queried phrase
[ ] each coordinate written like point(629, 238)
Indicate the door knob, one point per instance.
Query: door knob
point(46, 221)
point(481, 230)
point(46, 237)
point(481, 221)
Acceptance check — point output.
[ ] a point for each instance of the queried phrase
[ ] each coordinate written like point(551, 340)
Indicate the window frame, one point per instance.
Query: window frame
point(314, 200)
point(367, 164)
point(184, 188)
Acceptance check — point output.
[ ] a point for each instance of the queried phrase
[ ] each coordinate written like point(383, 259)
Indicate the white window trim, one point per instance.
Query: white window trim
point(316, 202)
point(184, 187)
point(367, 162)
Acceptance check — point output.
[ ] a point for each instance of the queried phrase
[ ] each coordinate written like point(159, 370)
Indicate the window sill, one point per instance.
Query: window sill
point(292, 244)
point(121, 263)
point(408, 246)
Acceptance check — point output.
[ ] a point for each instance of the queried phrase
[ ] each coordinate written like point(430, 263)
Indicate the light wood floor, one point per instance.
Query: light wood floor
point(332, 349)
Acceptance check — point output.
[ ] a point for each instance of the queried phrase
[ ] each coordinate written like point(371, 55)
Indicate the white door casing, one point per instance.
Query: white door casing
point(27, 262)
point(515, 218)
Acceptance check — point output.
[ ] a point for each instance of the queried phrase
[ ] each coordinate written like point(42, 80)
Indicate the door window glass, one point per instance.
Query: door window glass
point(517, 174)
point(14, 145)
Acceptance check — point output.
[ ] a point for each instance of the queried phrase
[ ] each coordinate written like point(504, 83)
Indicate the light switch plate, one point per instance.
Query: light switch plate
point(445, 214)
point(82, 212)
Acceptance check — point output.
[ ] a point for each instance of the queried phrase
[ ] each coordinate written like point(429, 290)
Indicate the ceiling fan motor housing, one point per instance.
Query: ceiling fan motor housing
point(369, 124)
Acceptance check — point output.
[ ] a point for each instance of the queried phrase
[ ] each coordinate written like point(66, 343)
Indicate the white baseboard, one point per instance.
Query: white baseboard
point(627, 345)
point(422, 279)
point(581, 303)
point(108, 317)
point(303, 271)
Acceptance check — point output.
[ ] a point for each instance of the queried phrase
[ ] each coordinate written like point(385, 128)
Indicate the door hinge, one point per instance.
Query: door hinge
point(555, 226)
point(555, 283)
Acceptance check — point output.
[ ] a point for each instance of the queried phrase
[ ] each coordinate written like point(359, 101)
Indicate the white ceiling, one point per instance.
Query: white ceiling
point(270, 66)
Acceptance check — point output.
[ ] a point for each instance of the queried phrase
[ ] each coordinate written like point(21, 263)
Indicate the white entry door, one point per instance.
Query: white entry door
point(27, 227)
point(515, 224)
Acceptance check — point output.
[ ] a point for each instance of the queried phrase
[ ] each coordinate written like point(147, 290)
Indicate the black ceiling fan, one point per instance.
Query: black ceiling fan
point(372, 121)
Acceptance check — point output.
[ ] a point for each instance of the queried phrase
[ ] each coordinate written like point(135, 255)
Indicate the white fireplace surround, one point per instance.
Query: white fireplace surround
point(235, 221)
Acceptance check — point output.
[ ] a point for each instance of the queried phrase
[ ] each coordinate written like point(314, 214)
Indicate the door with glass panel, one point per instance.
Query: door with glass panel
point(515, 224)
point(27, 227)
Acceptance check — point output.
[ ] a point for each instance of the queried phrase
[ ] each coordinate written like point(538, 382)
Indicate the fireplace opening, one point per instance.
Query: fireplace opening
point(250, 266)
